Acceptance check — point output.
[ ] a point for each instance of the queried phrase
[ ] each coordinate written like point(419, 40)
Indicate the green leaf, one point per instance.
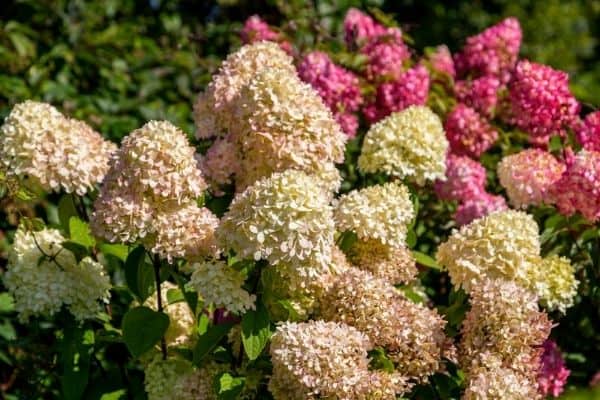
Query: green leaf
point(175, 296)
point(424, 259)
point(7, 330)
point(116, 395)
point(7, 303)
point(118, 250)
point(66, 210)
point(379, 360)
point(209, 340)
point(77, 249)
point(80, 232)
point(256, 331)
point(143, 328)
point(139, 275)
point(75, 356)
point(411, 238)
point(228, 387)
point(346, 240)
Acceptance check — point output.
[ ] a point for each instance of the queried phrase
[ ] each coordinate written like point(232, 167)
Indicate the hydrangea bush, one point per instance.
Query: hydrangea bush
point(376, 222)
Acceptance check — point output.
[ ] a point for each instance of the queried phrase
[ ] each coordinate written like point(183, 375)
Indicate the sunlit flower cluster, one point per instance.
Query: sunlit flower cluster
point(359, 28)
point(441, 60)
point(553, 374)
point(410, 144)
point(556, 284)
point(468, 132)
point(42, 276)
point(465, 179)
point(386, 55)
point(481, 94)
point(588, 132)
point(40, 147)
point(396, 265)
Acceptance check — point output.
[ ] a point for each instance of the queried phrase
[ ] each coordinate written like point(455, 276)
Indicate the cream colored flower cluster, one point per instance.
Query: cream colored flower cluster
point(412, 335)
point(408, 144)
point(177, 379)
point(181, 318)
point(501, 341)
point(43, 276)
point(318, 359)
point(267, 121)
point(285, 218)
point(150, 194)
point(219, 284)
point(506, 245)
point(40, 147)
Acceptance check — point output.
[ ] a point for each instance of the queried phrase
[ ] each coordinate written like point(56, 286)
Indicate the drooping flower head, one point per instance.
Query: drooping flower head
point(213, 112)
point(410, 144)
point(541, 102)
point(468, 132)
point(360, 28)
point(481, 94)
point(381, 212)
point(492, 52)
point(465, 179)
point(588, 132)
point(478, 206)
point(578, 190)
point(528, 175)
point(40, 147)
point(411, 88)
point(553, 373)
point(283, 218)
point(386, 55)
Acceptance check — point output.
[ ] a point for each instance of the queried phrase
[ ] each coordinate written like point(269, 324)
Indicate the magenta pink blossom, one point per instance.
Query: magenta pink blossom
point(480, 94)
point(465, 179)
point(477, 207)
point(468, 132)
point(359, 28)
point(578, 190)
point(386, 55)
point(541, 102)
point(256, 30)
point(410, 89)
point(588, 132)
point(348, 122)
point(553, 374)
point(441, 60)
point(492, 52)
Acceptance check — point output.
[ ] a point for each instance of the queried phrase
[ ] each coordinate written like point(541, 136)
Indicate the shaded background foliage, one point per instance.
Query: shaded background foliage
point(118, 63)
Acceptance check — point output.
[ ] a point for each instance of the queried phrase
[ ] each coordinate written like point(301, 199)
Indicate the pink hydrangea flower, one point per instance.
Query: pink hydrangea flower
point(553, 374)
point(360, 28)
point(480, 94)
point(386, 55)
point(477, 207)
point(541, 102)
point(492, 52)
point(257, 30)
point(468, 132)
point(410, 89)
point(588, 132)
point(441, 60)
point(338, 87)
point(465, 179)
point(578, 190)
point(595, 381)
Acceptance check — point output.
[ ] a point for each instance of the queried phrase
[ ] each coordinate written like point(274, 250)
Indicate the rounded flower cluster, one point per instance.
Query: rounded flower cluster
point(410, 88)
point(221, 285)
point(283, 218)
point(503, 328)
point(42, 276)
point(441, 61)
point(40, 147)
point(282, 123)
point(412, 335)
point(410, 144)
point(396, 265)
point(503, 244)
point(588, 132)
point(177, 379)
point(556, 285)
point(465, 179)
point(381, 212)
point(478, 206)
point(213, 111)
point(578, 190)
point(338, 87)
point(320, 359)
point(527, 176)
point(481, 94)
point(553, 373)
point(541, 102)
point(256, 30)
point(181, 330)
point(491, 52)
point(386, 55)
point(359, 28)
point(468, 132)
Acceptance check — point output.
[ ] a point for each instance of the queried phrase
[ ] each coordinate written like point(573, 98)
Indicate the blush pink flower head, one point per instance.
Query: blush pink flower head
point(492, 52)
point(410, 89)
point(578, 190)
point(480, 94)
point(441, 60)
point(541, 102)
point(588, 132)
point(360, 27)
point(553, 373)
point(477, 207)
point(465, 179)
point(257, 30)
point(386, 55)
point(468, 132)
